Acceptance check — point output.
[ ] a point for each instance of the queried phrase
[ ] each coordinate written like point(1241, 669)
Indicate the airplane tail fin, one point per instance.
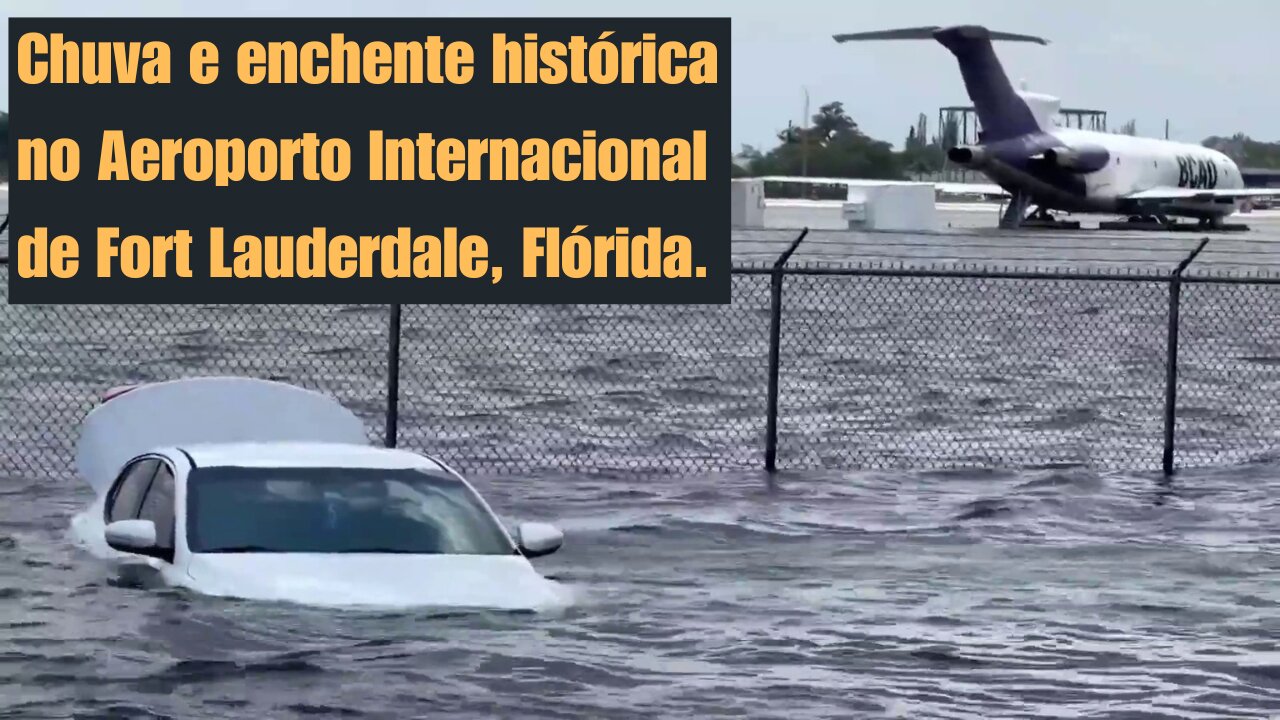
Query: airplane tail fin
point(1002, 113)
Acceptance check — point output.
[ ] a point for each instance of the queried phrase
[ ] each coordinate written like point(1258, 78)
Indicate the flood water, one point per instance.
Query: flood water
point(1054, 593)
point(1050, 592)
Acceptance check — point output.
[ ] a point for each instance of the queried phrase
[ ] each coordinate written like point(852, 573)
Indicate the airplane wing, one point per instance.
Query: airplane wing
point(984, 189)
point(1177, 193)
point(930, 32)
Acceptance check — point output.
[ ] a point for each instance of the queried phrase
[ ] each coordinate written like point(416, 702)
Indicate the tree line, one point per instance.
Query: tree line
point(834, 146)
point(1247, 152)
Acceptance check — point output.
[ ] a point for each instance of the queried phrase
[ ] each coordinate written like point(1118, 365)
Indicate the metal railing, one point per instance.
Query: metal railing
point(826, 364)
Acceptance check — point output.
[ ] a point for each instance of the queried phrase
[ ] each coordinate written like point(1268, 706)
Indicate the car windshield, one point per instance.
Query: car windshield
point(337, 510)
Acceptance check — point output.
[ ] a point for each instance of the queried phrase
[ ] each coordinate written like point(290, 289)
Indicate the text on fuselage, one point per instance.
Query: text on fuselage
point(1196, 172)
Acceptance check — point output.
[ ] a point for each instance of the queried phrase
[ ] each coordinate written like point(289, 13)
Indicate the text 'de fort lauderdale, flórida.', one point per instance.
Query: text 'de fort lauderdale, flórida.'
point(573, 252)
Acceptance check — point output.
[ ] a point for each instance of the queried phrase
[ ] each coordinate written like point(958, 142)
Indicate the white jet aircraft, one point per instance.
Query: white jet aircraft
point(1034, 162)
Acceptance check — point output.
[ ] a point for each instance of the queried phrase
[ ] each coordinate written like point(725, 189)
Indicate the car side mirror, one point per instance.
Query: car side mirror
point(538, 539)
point(132, 536)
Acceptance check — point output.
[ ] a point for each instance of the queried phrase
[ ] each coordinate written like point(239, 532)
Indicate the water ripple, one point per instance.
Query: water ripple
point(1054, 592)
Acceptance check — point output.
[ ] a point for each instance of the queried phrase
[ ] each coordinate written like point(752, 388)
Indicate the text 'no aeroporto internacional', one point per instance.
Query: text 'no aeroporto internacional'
point(524, 160)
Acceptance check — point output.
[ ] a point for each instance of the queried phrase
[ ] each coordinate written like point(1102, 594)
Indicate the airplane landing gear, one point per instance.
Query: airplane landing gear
point(1163, 223)
point(1141, 222)
point(1016, 216)
point(1219, 222)
point(1016, 211)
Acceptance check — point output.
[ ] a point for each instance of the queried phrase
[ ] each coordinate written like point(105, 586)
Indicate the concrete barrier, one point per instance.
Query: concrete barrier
point(896, 207)
point(792, 214)
point(870, 205)
point(747, 203)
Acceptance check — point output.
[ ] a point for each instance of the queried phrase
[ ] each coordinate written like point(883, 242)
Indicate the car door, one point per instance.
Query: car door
point(158, 507)
point(125, 496)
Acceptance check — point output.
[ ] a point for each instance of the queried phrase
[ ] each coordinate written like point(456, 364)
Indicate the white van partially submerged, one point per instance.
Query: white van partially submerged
point(260, 490)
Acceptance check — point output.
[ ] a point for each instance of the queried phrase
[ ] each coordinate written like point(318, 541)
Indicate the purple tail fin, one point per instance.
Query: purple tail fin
point(1002, 113)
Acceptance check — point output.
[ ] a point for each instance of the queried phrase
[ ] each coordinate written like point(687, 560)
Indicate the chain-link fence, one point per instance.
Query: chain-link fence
point(1228, 372)
point(928, 371)
point(875, 368)
point(57, 360)
point(588, 387)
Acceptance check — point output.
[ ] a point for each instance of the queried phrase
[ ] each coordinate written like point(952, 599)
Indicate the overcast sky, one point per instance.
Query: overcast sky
point(1208, 69)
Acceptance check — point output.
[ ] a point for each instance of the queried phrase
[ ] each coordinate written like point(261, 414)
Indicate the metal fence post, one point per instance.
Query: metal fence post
point(1171, 358)
point(775, 341)
point(393, 376)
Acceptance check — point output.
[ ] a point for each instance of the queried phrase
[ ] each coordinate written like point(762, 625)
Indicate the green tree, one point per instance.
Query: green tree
point(1246, 151)
point(832, 122)
point(836, 147)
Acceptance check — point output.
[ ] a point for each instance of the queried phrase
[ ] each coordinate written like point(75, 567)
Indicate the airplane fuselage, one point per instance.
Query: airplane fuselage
point(1124, 165)
point(1022, 149)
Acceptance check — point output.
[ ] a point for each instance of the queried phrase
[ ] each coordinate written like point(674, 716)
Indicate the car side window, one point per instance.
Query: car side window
point(126, 497)
point(157, 507)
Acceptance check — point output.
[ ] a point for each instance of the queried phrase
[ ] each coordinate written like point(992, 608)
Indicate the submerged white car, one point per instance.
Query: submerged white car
point(260, 490)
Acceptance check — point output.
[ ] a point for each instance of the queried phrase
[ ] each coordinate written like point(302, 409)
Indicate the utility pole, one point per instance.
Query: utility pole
point(1166, 128)
point(804, 136)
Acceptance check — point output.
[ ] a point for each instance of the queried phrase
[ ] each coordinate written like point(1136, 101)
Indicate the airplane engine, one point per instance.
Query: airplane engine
point(1078, 160)
point(968, 156)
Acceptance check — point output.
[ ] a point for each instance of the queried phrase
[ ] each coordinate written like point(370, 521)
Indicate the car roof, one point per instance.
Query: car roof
point(305, 454)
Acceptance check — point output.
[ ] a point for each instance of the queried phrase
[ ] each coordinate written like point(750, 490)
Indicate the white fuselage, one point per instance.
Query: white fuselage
point(1029, 156)
point(1140, 163)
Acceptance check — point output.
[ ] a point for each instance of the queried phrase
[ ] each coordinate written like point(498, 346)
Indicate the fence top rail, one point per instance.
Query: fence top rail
point(957, 271)
point(1140, 257)
point(975, 271)
point(1011, 273)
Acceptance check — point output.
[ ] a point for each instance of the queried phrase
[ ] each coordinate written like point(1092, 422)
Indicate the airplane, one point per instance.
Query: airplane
point(1032, 161)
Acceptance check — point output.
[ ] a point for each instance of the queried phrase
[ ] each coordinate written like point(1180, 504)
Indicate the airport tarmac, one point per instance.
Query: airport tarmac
point(970, 238)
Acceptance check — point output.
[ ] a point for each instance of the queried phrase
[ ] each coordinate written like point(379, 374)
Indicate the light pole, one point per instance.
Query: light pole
point(804, 136)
